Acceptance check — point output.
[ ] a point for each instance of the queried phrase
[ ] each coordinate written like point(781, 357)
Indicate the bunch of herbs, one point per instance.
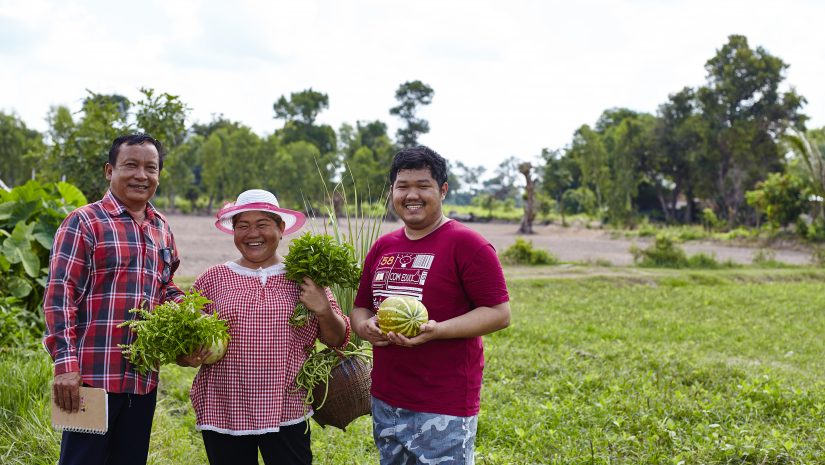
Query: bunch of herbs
point(170, 330)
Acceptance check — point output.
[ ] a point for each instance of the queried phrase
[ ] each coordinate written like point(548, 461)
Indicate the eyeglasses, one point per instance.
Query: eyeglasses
point(166, 273)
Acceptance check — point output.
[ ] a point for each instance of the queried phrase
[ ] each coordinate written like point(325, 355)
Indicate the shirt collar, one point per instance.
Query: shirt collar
point(116, 208)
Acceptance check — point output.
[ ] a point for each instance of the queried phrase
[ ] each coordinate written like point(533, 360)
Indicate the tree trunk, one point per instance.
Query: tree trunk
point(530, 200)
point(338, 205)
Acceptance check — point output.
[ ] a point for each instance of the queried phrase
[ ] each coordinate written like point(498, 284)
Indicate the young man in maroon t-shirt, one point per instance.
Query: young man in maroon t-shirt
point(426, 389)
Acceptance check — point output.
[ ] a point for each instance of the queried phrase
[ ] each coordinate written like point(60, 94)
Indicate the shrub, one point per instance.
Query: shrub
point(816, 230)
point(818, 257)
point(664, 253)
point(766, 258)
point(709, 220)
point(690, 233)
point(703, 260)
point(29, 217)
point(523, 253)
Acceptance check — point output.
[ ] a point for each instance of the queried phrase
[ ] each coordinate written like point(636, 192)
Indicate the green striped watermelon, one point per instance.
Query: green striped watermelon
point(402, 315)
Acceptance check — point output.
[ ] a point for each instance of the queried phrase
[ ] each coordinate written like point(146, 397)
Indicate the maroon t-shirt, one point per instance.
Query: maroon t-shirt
point(453, 270)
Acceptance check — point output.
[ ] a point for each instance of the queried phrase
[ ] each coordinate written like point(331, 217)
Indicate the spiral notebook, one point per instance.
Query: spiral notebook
point(93, 416)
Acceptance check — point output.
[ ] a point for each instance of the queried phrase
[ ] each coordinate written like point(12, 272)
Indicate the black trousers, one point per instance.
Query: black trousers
point(125, 443)
point(289, 446)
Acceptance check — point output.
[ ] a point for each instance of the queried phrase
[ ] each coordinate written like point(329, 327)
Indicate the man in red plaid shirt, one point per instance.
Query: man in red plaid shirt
point(109, 257)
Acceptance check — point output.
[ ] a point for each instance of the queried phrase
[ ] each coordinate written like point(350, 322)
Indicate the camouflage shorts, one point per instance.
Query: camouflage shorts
point(406, 437)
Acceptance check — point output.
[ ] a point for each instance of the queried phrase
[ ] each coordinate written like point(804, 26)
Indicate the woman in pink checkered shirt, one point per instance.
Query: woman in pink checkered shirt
point(248, 400)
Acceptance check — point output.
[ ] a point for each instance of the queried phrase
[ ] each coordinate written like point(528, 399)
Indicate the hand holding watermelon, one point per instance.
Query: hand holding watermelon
point(402, 318)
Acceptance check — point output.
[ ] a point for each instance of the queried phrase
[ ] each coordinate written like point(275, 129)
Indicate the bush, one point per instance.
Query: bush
point(818, 257)
point(664, 253)
point(766, 258)
point(816, 230)
point(703, 261)
point(523, 253)
point(29, 217)
point(709, 220)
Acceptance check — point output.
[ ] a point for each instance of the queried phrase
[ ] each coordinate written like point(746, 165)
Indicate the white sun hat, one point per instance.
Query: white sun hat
point(258, 200)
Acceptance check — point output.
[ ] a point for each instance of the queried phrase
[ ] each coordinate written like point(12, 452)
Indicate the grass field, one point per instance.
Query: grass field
point(674, 368)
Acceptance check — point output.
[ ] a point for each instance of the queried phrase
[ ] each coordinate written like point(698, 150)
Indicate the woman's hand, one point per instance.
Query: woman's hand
point(195, 359)
point(314, 297)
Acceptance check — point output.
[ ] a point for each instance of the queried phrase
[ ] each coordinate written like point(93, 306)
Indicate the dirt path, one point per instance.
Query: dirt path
point(202, 245)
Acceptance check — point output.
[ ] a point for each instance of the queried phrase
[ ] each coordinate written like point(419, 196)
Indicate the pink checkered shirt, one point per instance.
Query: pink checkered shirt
point(252, 389)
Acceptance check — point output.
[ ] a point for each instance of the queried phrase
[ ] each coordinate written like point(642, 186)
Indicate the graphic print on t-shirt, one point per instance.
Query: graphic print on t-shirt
point(400, 274)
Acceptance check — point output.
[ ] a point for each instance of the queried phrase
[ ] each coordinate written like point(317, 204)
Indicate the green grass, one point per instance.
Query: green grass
point(643, 367)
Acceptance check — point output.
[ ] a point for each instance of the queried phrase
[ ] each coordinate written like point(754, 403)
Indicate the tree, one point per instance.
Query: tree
point(810, 148)
point(79, 149)
point(632, 161)
point(163, 116)
point(299, 114)
point(590, 155)
point(781, 197)
point(300, 175)
point(231, 162)
point(503, 183)
point(745, 114)
point(302, 106)
point(411, 95)
point(559, 174)
point(465, 182)
point(526, 169)
point(367, 155)
point(20, 148)
point(680, 139)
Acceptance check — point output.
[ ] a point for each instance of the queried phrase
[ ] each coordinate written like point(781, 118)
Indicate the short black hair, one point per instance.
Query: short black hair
point(136, 139)
point(420, 157)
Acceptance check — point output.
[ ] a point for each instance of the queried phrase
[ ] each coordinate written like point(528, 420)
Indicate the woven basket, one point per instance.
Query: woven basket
point(348, 394)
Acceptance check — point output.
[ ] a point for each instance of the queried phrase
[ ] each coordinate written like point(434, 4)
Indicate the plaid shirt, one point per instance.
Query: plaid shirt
point(102, 265)
point(252, 389)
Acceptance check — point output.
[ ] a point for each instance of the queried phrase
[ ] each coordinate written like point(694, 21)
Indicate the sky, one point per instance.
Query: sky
point(511, 77)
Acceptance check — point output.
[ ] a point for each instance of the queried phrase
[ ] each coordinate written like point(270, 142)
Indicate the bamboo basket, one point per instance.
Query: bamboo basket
point(347, 394)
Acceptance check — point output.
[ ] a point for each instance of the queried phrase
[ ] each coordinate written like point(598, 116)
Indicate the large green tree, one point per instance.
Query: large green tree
point(680, 140)
point(745, 113)
point(411, 95)
point(231, 162)
point(299, 113)
point(20, 148)
point(163, 116)
point(79, 148)
point(591, 157)
point(367, 154)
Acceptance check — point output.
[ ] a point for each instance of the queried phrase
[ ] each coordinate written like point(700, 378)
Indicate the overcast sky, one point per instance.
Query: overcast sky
point(510, 77)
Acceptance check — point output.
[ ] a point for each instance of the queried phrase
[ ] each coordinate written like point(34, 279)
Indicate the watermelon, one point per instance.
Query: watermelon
point(402, 314)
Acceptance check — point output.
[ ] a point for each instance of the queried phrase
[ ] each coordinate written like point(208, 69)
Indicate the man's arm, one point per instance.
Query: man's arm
point(477, 322)
point(68, 275)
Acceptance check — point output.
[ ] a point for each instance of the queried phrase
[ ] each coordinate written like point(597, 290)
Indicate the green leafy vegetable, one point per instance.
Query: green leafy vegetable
point(325, 260)
point(173, 329)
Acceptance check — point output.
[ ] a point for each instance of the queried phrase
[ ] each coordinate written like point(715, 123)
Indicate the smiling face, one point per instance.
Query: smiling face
point(257, 235)
point(134, 178)
point(417, 198)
